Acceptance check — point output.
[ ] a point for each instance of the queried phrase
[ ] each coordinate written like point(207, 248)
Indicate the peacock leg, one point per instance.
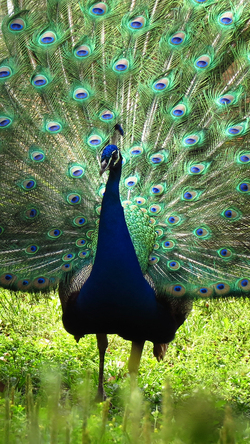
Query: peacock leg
point(134, 361)
point(102, 342)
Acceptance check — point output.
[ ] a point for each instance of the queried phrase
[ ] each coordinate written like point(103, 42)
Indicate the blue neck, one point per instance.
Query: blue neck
point(116, 298)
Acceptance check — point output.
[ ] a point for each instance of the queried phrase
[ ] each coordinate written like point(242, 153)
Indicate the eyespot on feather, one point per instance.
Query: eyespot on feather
point(7, 279)
point(5, 122)
point(137, 23)
point(202, 62)
point(53, 127)
point(79, 221)
point(121, 66)
point(153, 260)
point(74, 199)
point(173, 265)
point(47, 38)
point(54, 233)
point(221, 288)
point(161, 85)
point(32, 249)
point(98, 9)
point(16, 25)
point(5, 72)
point(226, 18)
point(168, 244)
point(225, 253)
point(82, 51)
point(80, 94)
point(81, 242)
point(179, 111)
point(31, 213)
point(23, 284)
point(40, 282)
point(244, 284)
point(28, 184)
point(204, 292)
point(177, 39)
point(176, 290)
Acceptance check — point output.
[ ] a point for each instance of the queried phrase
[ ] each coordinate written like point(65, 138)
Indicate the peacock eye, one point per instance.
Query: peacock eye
point(5, 122)
point(176, 290)
point(155, 209)
point(157, 159)
point(190, 195)
point(137, 23)
point(121, 65)
point(191, 140)
point(173, 220)
point(1, 230)
point(152, 260)
point(231, 214)
point(79, 221)
point(197, 169)
point(225, 253)
point(32, 249)
point(41, 282)
point(244, 284)
point(83, 254)
point(140, 200)
point(226, 18)
point(173, 265)
point(23, 284)
point(37, 156)
point(5, 72)
point(178, 38)
point(80, 94)
point(47, 38)
point(54, 233)
point(81, 242)
point(168, 244)
point(221, 288)
point(76, 171)
point(66, 267)
point(243, 187)
point(98, 9)
point(204, 292)
point(157, 190)
point(7, 279)
point(201, 232)
point(53, 127)
point(161, 85)
point(28, 184)
point(131, 181)
point(244, 158)
point(31, 213)
point(17, 25)
point(39, 80)
point(68, 257)
point(227, 99)
point(82, 51)
point(107, 116)
point(94, 141)
point(136, 150)
point(234, 130)
point(74, 198)
point(179, 110)
point(203, 62)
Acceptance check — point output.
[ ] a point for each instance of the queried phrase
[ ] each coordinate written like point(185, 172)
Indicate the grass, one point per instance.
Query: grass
point(198, 394)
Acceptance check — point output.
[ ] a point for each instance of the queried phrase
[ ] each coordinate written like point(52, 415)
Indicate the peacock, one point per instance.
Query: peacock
point(125, 160)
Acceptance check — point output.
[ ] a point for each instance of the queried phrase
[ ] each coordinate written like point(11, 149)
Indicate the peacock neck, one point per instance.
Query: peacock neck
point(115, 251)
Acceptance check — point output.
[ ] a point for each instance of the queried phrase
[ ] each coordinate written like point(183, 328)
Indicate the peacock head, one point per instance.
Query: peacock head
point(111, 158)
